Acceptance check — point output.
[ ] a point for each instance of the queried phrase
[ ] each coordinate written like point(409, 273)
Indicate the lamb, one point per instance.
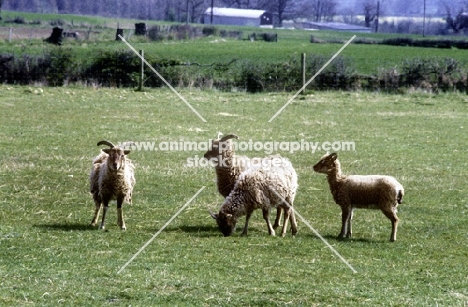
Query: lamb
point(229, 166)
point(260, 187)
point(355, 191)
point(111, 178)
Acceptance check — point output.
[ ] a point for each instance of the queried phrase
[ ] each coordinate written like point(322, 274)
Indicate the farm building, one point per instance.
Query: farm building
point(238, 17)
point(334, 26)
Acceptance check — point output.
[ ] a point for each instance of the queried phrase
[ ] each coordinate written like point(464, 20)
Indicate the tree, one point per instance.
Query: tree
point(317, 10)
point(280, 8)
point(460, 21)
point(372, 13)
point(240, 4)
point(197, 9)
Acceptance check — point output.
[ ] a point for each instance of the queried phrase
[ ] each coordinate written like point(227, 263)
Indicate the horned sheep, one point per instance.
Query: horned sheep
point(228, 166)
point(260, 187)
point(111, 178)
point(356, 191)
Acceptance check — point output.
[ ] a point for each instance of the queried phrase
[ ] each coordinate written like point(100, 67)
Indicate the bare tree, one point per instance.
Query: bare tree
point(281, 6)
point(460, 21)
point(197, 10)
point(323, 10)
point(370, 13)
point(241, 4)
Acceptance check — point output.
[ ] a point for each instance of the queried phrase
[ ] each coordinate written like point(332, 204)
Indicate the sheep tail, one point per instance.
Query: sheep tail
point(399, 196)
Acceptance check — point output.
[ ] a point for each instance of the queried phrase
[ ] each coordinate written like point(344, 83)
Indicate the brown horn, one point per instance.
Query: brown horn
point(104, 142)
point(229, 136)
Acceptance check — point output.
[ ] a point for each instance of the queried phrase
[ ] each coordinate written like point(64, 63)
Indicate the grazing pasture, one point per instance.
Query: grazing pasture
point(50, 256)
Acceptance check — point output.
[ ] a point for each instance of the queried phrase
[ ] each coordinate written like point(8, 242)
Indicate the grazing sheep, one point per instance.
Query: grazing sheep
point(355, 191)
point(260, 187)
point(229, 166)
point(112, 178)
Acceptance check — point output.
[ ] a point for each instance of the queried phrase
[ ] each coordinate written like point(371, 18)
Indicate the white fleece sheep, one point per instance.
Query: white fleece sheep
point(228, 166)
point(355, 191)
point(260, 187)
point(111, 178)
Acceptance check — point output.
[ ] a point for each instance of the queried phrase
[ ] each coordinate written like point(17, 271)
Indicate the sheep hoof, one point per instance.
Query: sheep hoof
point(124, 228)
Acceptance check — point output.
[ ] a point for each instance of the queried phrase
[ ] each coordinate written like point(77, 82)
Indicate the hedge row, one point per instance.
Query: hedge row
point(121, 69)
point(426, 43)
point(405, 41)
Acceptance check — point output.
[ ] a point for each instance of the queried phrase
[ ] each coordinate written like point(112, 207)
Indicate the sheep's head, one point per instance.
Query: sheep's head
point(219, 146)
point(226, 222)
point(116, 157)
point(327, 164)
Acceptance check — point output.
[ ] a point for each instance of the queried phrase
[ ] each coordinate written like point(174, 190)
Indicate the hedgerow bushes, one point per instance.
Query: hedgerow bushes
point(62, 66)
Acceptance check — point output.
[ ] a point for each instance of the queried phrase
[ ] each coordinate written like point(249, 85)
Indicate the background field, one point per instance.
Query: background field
point(50, 256)
point(366, 59)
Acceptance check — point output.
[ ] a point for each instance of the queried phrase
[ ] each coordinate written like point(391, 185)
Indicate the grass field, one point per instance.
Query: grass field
point(49, 256)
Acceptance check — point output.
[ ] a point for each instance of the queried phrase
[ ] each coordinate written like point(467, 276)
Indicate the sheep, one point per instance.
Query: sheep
point(111, 178)
point(260, 187)
point(356, 191)
point(229, 166)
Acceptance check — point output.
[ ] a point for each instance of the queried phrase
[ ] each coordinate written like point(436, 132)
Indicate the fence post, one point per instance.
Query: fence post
point(303, 69)
point(142, 70)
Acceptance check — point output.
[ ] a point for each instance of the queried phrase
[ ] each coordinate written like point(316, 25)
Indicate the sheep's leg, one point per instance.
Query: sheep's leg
point(247, 218)
point(106, 206)
point(287, 216)
point(349, 232)
point(391, 214)
point(278, 217)
point(292, 218)
point(120, 219)
point(266, 217)
point(345, 215)
point(97, 211)
point(288, 205)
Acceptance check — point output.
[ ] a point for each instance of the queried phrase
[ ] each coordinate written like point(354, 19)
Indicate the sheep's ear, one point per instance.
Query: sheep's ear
point(106, 150)
point(334, 156)
point(126, 152)
point(214, 215)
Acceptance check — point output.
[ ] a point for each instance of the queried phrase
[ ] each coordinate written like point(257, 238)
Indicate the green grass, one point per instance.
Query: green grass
point(49, 256)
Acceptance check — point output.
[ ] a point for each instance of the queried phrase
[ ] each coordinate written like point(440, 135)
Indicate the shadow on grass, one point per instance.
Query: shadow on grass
point(66, 227)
